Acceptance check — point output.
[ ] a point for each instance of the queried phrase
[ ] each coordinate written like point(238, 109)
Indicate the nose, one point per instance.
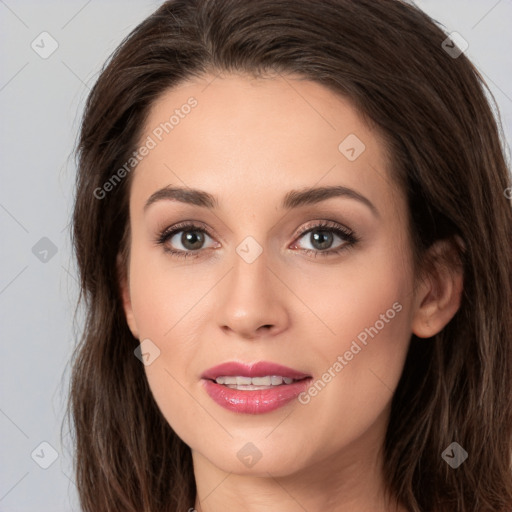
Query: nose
point(253, 300)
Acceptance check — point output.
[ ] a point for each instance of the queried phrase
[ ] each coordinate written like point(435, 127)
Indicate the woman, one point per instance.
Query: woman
point(294, 241)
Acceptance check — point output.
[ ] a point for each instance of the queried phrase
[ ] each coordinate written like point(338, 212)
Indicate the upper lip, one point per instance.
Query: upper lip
point(259, 369)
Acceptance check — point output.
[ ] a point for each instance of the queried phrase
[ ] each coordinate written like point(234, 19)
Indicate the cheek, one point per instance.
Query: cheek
point(367, 298)
point(170, 314)
point(360, 356)
point(366, 341)
point(167, 307)
point(178, 403)
point(163, 294)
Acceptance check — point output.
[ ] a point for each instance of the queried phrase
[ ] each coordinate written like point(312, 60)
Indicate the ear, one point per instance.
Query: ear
point(124, 287)
point(438, 296)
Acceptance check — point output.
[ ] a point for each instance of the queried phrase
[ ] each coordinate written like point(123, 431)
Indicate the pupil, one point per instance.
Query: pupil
point(192, 239)
point(323, 238)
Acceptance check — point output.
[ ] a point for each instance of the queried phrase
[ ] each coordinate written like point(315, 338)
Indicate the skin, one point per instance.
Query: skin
point(249, 142)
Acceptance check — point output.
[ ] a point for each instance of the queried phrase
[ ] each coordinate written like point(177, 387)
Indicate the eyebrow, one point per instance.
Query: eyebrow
point(293, 199)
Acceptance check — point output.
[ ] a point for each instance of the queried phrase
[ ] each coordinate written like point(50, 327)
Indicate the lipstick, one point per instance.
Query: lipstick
point(253, 388)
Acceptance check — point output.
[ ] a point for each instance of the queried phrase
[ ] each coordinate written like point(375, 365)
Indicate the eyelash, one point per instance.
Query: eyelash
point(344, 233)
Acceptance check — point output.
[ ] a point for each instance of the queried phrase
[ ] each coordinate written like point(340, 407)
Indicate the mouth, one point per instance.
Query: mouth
point(254, 383)
point(254, 389)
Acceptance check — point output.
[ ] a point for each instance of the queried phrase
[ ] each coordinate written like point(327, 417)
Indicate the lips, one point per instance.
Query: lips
point(259, 369)
point(253, 389)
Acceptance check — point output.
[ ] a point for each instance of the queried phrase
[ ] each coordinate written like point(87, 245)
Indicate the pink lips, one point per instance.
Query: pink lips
point(254, 401)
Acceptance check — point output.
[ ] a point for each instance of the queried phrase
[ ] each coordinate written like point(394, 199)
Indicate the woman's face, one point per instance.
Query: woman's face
point(275, 273)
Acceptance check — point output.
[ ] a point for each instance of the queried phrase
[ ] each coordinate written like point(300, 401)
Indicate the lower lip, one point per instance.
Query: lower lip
point(254, 401)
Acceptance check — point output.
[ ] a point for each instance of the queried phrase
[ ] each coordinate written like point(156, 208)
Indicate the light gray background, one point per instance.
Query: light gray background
point(41, 102)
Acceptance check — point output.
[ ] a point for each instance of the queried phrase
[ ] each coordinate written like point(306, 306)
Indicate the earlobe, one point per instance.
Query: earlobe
point(438, 297)
point(124, 288)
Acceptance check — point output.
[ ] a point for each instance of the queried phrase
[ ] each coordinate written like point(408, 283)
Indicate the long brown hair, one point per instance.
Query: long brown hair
point(387, 57)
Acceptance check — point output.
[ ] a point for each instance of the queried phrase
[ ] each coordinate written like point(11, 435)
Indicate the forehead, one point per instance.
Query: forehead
point(237, 135)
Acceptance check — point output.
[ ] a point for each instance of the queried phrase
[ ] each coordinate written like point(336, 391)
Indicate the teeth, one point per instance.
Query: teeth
point(265, 381)
point(275, 380)
point(254, 382)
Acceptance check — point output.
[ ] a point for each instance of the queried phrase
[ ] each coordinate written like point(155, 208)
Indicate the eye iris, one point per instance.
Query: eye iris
point(323, 238)
point(192, 239)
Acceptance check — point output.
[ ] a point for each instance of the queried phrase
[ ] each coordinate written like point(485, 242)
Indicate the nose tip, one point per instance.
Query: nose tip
point(252, 307)
point(244, 328)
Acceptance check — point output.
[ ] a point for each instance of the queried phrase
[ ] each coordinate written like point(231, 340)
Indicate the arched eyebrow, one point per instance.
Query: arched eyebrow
point(293, 199)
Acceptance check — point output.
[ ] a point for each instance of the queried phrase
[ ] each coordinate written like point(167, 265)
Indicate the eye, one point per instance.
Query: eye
point(191, 238)
point(322, 236)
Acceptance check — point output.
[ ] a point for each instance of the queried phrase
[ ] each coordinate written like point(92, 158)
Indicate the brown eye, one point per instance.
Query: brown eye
point(192, 240)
